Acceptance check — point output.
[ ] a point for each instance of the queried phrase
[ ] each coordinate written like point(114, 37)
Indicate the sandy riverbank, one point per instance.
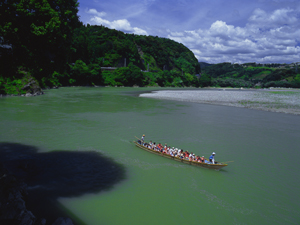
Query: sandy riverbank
point(274, 100)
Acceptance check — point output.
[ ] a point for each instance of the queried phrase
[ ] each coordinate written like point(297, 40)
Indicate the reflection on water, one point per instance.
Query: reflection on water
point(56, 174)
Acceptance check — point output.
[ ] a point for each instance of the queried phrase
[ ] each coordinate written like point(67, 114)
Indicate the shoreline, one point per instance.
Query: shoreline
point(280, 100)
point(272, 100)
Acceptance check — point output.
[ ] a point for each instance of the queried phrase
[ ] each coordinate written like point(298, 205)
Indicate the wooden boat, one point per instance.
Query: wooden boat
point(208, 165)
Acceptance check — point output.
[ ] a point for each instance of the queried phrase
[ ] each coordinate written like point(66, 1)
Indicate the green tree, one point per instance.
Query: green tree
point(129, 76)
point(39, 32)
point(205, 80)
point(83, 74)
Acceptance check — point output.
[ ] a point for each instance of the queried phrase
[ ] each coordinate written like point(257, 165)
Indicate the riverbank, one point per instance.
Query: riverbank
point(274, 100)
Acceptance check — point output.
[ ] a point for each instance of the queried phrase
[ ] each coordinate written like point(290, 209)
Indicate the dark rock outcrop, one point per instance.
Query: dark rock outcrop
point(32, 88)
point(12, 207)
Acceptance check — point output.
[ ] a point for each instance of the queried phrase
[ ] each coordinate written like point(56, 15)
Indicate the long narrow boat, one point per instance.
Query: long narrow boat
point(209, 165)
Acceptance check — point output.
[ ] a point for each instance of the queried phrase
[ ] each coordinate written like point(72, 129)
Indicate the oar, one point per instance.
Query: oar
point(137, 137)
point(228, 162)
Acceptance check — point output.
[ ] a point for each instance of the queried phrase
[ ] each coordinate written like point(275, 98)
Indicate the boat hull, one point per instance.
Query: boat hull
point(193, 163)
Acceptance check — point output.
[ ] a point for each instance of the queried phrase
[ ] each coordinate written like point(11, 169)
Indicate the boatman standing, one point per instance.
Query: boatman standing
point(142, 139)
point(212, 158)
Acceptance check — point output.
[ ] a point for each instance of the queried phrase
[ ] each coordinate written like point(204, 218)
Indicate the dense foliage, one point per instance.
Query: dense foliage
point(45, 41)
point(36, 35)
point(252, 75)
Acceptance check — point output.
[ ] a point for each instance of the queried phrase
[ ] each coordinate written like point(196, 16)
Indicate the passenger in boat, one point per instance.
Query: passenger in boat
point(154, 146)
point(186, 155)
point(160, 147)
point(181, 156)
point(202, 159)
point(164, 150)
point(193, 156)
point(150, 143)
point(176, 152)
point(212, 158)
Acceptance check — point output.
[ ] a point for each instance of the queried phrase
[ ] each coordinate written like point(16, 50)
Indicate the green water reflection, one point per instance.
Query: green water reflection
point(259, 187)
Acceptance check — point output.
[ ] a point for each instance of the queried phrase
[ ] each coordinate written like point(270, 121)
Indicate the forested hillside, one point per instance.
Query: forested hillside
point(43, 42)
point(141, 60)
point(252, 75)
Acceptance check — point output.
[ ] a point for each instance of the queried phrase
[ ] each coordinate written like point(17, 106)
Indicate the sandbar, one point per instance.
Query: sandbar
point(274, 100)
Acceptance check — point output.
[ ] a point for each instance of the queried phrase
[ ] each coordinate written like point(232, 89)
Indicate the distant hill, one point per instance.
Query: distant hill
point(204, 64)
point(253, 75)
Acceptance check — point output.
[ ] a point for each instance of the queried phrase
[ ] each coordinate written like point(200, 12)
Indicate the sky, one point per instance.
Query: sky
point(216, 31)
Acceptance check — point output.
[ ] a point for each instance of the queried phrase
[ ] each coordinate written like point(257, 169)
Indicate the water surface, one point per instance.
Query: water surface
point(259, 187)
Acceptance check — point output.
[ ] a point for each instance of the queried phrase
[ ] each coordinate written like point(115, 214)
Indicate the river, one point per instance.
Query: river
point(260, 186)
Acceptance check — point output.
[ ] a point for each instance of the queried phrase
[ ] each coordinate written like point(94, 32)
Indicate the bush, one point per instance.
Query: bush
point(205, 80)
point(82, 74)
point(229, 82)
point(281, 83)
point(129, 76)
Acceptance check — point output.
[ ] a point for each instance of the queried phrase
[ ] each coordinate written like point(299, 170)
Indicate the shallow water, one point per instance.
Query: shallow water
point(259, 187)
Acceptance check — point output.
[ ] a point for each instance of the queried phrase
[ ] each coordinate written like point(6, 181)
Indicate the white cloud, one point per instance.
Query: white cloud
point(139, 31)
point(267, 37)
point(277, 18)
point(122, 24)
point(95, 12)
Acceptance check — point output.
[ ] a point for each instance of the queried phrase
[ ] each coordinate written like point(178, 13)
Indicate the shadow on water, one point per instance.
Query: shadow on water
point(56, 174)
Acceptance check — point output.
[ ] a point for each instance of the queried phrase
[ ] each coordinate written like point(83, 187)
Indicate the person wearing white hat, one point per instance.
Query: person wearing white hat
point(212, 158)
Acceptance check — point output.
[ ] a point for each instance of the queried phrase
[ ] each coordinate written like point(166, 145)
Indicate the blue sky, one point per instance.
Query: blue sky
point(237, 31)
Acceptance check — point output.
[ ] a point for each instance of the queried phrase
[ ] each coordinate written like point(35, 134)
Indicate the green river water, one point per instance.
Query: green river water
point(261, 186)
